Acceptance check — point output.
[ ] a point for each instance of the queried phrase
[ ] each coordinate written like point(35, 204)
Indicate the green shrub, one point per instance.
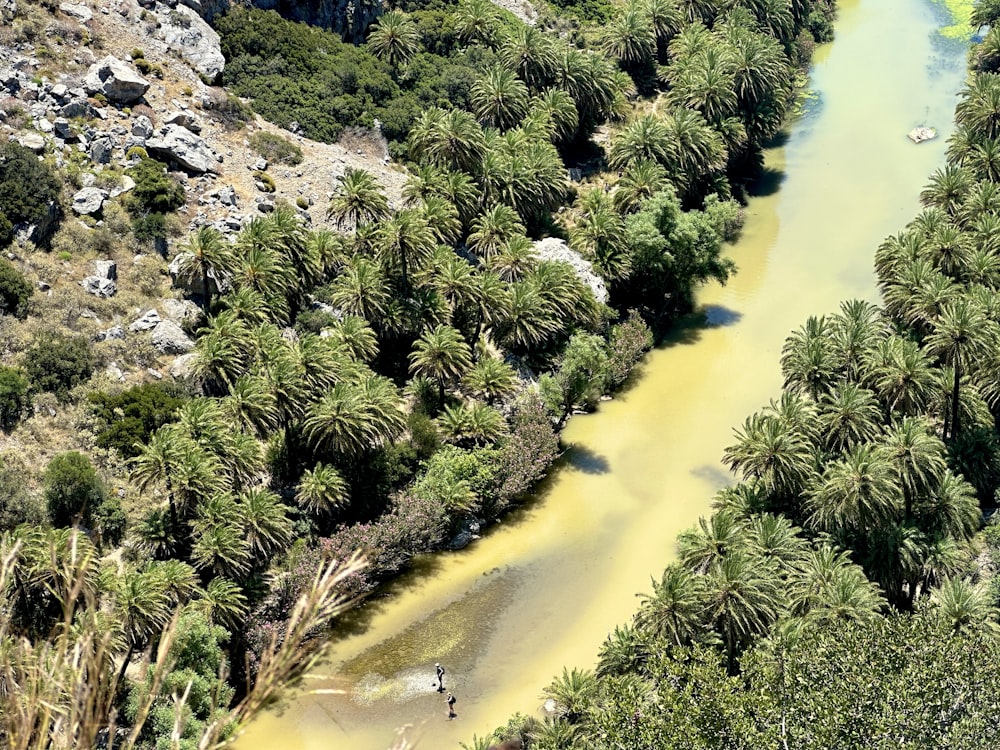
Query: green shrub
point(15, 291)
point(27, 187)
point(302, 202)
point(137, 54)
point(73, 490)
point(57, 363)
point(155, 191)
point(136, 152)
point(313, 321)
point(227, 110)
point(17, 505)
point(266, 180)
point(275, 148)
point(127, 420)
point(13, 397)
point(110, 521)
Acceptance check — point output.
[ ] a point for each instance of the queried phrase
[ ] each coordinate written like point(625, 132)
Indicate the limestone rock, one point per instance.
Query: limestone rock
point(127, 184)
point(557, 250)
point(184, 147)
point(100, 148)
point(169, 338)
point(99, 287)
point(115, 333)
point(145, 322)
point(184, 119)
point(142, 127)
point(116, 80)
point(181, 367)
point(187, 32)
point(33, 141)
point(106, 269)
point(88, 200)
point(182, 311)
point(81, 13)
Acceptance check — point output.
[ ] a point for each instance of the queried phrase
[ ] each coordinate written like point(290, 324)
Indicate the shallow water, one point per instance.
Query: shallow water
point(543, 589)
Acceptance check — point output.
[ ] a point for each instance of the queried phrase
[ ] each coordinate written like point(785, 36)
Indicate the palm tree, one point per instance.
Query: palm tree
point(358, 200)
point(224, 603)
point(828, 582)
point(849, 415)
point(707, 83)
point(442, 354)
point(600, 234)
point(362, 291)
point(978, 108)
point(781, 461)
point(644, 138)
point(712, 540)
point(490, 379)
point(267, 528)
point(630, 37)
point(900, 374)
point(675, 611)
point(557, 108)
point(743, 600)
point(394, 39)
point(665, 19)
point(142, 609)
point(962, 336)
point(499, 99)
point(856, 493)
point(808, 361)
point(949, 508)
point(640, 180)
point(322, 491)
point(947, 189)
point(251, 405)
point(471, 425)
point(476, 21)
point(775, 539)
point(624, 651)
point(529, 53)
point(451, 140)
point(220, 549)
point(206, 258)
point(404, 241)
point(441, 217)
point(918, 457)
point(572, 693)
point(355, 335)
point(963, 606)
point(156, 537)
point(493, 228)
point(355, 417)
point(694, 147)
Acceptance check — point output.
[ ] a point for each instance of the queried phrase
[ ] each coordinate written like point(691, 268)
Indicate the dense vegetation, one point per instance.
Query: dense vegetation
point(371, 386)
point(843, 593)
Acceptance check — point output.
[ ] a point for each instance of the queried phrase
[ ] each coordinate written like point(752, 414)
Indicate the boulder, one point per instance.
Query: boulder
point(169, 338)
point(553, 249)
point(467, 532)
point(88, 200)
point(78, 107)
point(115, 79)
point(127, 184)
point(8, 10)
point(183, 147)
point(115, 333)
point(142, 127)
point(184, 119)
point(145, 322)
point(183, 312)
point(181, 367)
point(99, 287)
point(33, 141)
point(81, 13)
point(188, 33)
point(63, 129)
point(193, 285)
point(227, 196)
point(99, 149)
point(106, 269)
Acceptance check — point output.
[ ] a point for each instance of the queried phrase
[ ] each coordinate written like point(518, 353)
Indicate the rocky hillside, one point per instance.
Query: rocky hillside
point(92, 89)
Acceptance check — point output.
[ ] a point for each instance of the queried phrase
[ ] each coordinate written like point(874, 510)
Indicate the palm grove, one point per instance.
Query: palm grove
point(843, 593)
point(355, 386)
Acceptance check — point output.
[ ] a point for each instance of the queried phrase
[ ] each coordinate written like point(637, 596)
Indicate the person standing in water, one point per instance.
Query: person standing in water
point(440, 677)
point(451, 707)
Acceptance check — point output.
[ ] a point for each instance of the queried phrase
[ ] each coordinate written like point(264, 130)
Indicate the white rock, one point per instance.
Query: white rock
point(116, 80)
point(80, 12)
point(145, 322)
point(169, 338)
point(557, 250)
point(88, 200)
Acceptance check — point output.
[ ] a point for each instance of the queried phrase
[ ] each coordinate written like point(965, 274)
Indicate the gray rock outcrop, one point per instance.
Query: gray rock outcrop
point(145, 322)
point(181, 367)
point(557, 250)
point(88, 200)
point(33, 141)
point(116, 80)
point(186, 31)
point(99, 287)
point(183, 147)
point(183, 312)
point(81, 13)
point(183, 118)
point(169, 338)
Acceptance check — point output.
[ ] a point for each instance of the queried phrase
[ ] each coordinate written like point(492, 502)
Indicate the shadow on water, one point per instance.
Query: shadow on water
point(768, 182)
point(583, 459)
point(717, 316)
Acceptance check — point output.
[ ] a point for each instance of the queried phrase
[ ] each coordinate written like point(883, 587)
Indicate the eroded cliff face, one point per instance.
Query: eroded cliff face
point(349, 18)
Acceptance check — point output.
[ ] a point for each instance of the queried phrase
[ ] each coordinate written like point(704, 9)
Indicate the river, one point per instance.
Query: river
point(542, 590)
